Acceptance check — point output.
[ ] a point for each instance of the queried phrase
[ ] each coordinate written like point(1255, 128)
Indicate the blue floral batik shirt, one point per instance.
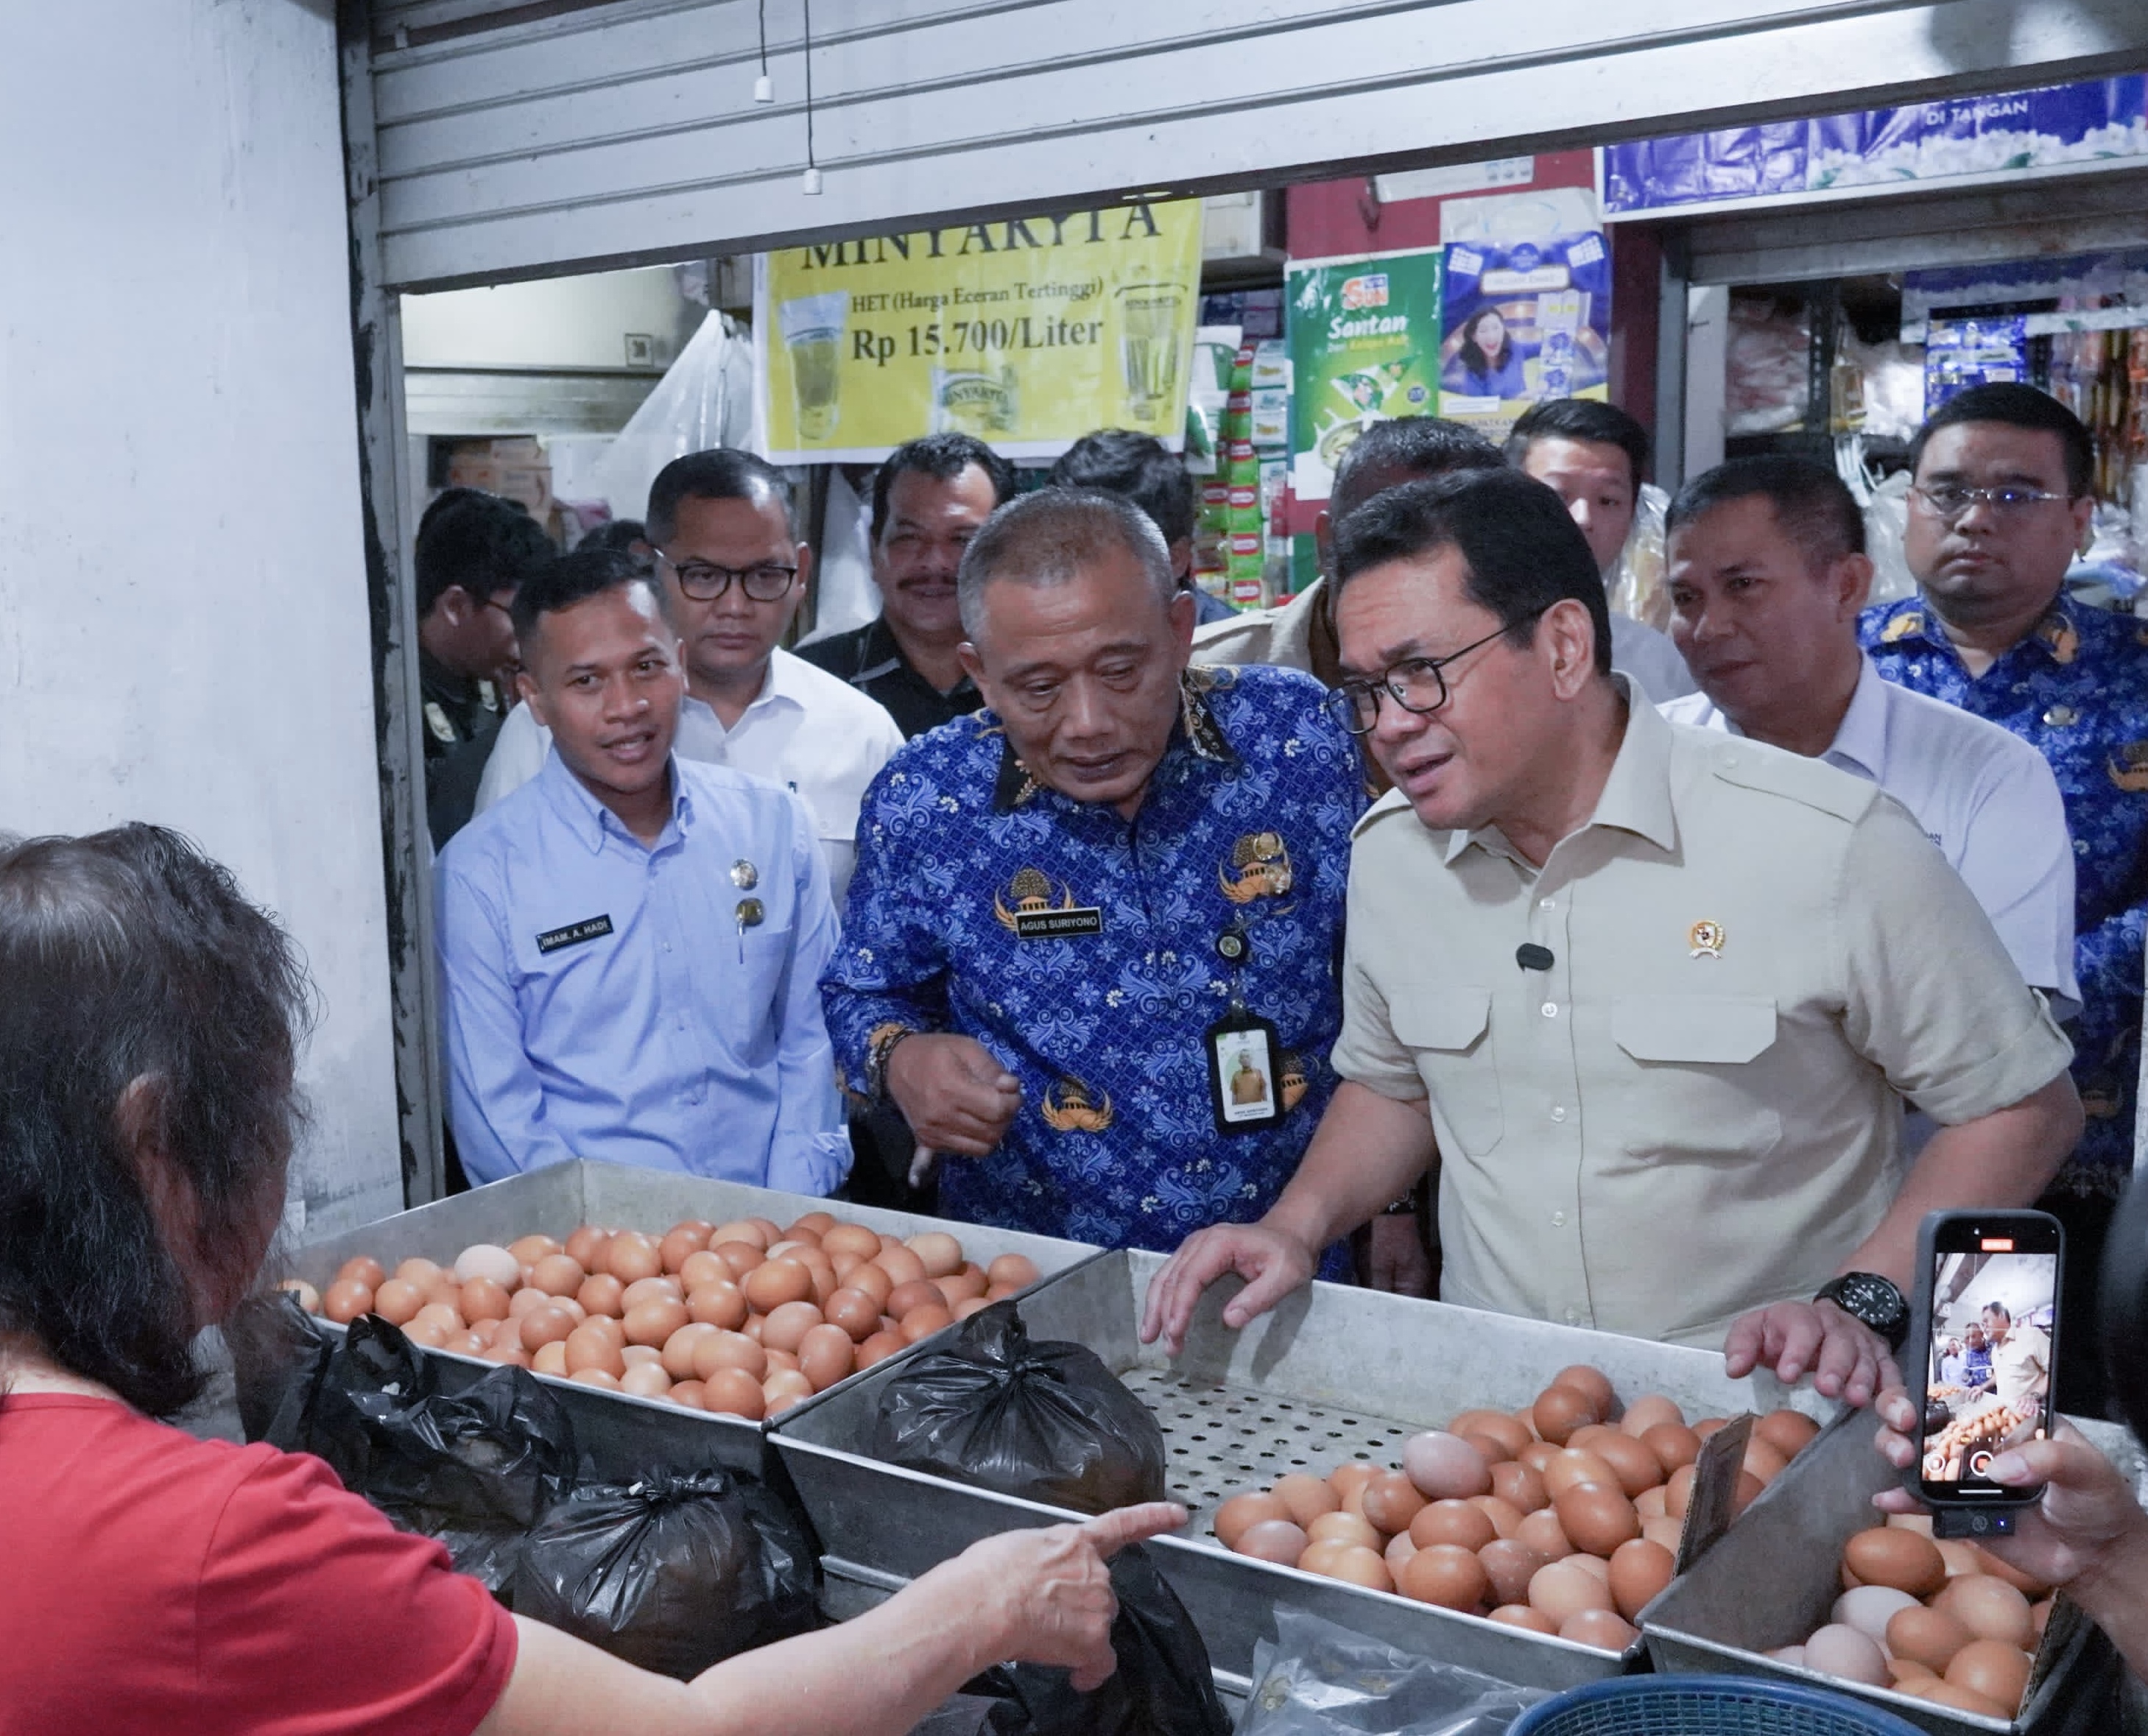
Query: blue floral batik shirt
point(1240, 851)
point(2076, 689)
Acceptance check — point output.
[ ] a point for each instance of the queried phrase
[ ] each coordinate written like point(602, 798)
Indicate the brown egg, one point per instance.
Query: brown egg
point(1673, 1445)
point(1543, 1532)
point(1632, 1463)
point(1520, 1615)
point(780, 1359)
point(879, 1347)
point(646, 1380)
point(397, 1301)
point(1399, 1550)
point(940, 1252)
point(733, 1393)
point(1576, 1464)
point(718, 1303)
point(679, 1347)
point(557, 1274)
point(1463, 1422)
point(1319, 1558)
point(1928, 1637)
point(1276, 1540)
point(1559, 1411)
point(1444, 1467)
point(585, 1247)
point(924, 1321)
point(1457, 1522)
point(1597, 1517)
point(1650, 1503)
point(2026, 1583)
point(1509, 1564)
point(1668, 1533)
point(653, 1322)
point(818, 1222)
point(1349, 1480)
point(529, 1296)
point(483, 1299)
point(1231, 1520)
point(1959, 1557)
point(552, 1359)
point(630, 1257)
point(1597, 1628)
point(1989, 1607)
point(967, 1285)
point(786, 1326)
point(1594, 1565)
point(1362, 1567)
point(1016, 1269)
point(916, 1294)
point(1750, 1488)
point(1841, 1651)
point(850, 1239)
point(596, 1377)
point(1789, 1432)
point(1900, 1559)
point(470, 1344)
point(430, 1333)
point(1342, 1528)
point(729, 1350)
point(1391, 1500)
point(1517, 1483)
point(1993, 1668)
point(826, 1355)
point(855, 1312)
point(1904, 1670)
point(506, 1352)
point(769, 1286)
point(612, 1329)
point(786, 1383)
point(1957, 1699)
point(1510, 1435)
point(586, 1347)
point(1492, 1450)
point(706, 1266)
point(739, 1257)
point(542, 1325)
point(900, 1263)
point(1677, 1491)
point(416, 1271)
point(1639, 1569)
point(1537, 1454)
point(1444, 1574)
point(1307, 1497)
point(686, 1394)
point(662, 1288)
point(1653, 1411)
point(528, 1250)
point(1708, 1426)
point(1589, 1432)
point(975, 1305)
point(1506, 1517)
point(302, 1293)
point(1762, 1461)
point(440, 1314)
point(680, 1244)
point(1594, 1382)
point(1562, 1591)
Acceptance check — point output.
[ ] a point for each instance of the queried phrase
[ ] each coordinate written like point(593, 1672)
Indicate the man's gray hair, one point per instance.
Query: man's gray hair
point(1047, 538)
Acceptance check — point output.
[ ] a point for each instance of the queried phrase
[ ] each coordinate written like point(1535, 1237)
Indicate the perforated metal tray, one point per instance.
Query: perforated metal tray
point(1333, 1373)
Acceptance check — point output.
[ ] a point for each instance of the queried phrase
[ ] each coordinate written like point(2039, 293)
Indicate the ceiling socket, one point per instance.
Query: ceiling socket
point(764, 89)
point(812, 181)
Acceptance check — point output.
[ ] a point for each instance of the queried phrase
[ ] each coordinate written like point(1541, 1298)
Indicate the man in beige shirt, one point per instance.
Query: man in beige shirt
point(1648, 992)
point(2021, 1360)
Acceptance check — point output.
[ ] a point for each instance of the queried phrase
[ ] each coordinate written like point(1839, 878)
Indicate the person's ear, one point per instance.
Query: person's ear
point(802, 584)
point(1851, 581)
point(1182, 616)
point(456, 605)
point(973, 665)
point(1566, 637)
point(526, 684)
point(2084, 515)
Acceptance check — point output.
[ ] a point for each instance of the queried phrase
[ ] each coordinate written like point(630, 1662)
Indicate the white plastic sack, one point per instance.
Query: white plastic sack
point(704, 401)
point(847, 596)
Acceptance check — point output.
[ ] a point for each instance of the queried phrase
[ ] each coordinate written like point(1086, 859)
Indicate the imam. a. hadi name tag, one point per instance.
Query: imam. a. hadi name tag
point(590, 928)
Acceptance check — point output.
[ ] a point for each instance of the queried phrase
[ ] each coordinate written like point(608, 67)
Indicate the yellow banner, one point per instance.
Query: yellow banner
point(1027, 333)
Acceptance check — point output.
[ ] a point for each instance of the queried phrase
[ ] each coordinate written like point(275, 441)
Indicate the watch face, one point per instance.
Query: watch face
point(1872, 1299)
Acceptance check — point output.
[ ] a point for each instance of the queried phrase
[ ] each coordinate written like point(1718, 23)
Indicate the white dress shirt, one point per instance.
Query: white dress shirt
point(1649, 656)
point(1982, 794)
point(819, 736)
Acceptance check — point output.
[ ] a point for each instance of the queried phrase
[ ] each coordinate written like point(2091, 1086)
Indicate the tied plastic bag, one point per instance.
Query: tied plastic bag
point(1316, 1679)
point(1046, 1421)
point(475, 1469)
point(669, 1573)
point(1162, 1686)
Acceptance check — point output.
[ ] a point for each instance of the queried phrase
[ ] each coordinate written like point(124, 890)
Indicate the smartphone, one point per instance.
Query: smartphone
point(1985, 1319)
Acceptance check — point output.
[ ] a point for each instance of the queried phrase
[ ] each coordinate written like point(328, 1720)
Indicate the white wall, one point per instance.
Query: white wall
point(572, 322)
point(183, 627)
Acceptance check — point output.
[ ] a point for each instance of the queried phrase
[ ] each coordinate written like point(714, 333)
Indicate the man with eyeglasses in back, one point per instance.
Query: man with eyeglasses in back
point(731, 571)
point(1644, 994)
point(2000, 507)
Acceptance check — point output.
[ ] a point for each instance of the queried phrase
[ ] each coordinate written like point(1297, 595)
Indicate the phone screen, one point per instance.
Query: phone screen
point(1990, 1362)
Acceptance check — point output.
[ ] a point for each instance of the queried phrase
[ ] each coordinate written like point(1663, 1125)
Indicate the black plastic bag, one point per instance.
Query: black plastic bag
point(1047, 1421)
point(1162, 1686)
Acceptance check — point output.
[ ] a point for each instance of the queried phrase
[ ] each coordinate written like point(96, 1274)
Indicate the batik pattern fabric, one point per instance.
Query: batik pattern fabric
point(973, 885)
point(2076, 689)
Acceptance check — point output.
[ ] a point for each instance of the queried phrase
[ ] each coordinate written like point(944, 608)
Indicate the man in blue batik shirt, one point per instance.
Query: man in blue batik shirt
point(1090, 947)
point(2001, 506)
point(629, 944)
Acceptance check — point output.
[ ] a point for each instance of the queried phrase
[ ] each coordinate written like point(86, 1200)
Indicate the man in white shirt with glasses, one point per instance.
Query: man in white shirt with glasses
point(731, 572)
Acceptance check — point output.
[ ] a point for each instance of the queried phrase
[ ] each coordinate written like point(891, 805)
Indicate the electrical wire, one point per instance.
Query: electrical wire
point(810, 161)
point(763, 38)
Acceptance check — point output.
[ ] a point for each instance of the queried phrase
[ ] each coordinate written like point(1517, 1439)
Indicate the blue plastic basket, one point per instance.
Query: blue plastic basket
point(1704, 1706)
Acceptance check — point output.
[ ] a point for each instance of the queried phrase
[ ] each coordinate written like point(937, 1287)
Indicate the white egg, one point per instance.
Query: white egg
point(1788, 1654)
point(1845, 1653)
point(482, 1260)
point(1868, 1609)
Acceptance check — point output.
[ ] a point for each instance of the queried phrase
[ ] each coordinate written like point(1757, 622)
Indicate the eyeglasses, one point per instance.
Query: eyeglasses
point(704, 581)
point(1416, 684)
point(1950, 503)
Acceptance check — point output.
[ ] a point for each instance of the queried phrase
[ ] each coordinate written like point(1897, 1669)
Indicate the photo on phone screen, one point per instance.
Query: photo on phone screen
point(1989, 1365)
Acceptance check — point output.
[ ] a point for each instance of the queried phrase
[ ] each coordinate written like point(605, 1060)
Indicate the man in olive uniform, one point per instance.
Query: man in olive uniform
point(1650, 994)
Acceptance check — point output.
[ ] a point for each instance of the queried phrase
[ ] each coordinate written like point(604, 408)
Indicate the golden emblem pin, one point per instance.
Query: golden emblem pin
point(745, 876)
point(750, 914)
point(1707, 939)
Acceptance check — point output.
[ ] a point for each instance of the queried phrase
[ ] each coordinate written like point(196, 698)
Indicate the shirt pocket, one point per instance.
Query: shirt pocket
point(752, 968)
point(1698, 1086)
point(1447, 1032)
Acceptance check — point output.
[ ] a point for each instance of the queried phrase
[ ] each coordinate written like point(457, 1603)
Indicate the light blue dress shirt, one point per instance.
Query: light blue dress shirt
point(604, 1000)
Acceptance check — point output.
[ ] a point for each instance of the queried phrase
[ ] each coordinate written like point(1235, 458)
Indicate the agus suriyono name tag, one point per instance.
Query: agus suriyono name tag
point(1065, 924)
point(1243, 1088)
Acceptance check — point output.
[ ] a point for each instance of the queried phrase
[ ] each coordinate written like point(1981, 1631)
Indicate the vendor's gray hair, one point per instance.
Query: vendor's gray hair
point(1049, 537)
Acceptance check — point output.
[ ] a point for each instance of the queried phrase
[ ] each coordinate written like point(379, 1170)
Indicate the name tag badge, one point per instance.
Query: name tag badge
point(1242, 1087)
point(590, 928)
point(1068, 923)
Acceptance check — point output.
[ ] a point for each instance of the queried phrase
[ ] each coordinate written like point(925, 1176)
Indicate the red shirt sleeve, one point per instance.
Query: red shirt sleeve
point(315, 1617)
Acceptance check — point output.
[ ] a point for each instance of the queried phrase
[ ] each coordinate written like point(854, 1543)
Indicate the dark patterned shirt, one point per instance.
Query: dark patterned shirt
point(2076, 689)
point(1244, 832)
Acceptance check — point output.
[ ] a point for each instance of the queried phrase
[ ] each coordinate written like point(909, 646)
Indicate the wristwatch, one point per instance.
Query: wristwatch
point(1876, 1301)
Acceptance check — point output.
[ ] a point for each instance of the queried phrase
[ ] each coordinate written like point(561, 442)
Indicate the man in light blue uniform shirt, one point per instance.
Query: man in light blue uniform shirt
point(631, 943)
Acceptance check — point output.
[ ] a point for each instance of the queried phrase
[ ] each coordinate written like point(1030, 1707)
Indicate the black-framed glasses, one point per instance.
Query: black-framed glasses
point(1416, 684)
point(1948, 502)
point(704, 581)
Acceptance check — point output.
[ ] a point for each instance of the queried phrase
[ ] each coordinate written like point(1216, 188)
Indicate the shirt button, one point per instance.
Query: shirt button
point(1558, 1222)
point(1547, 904)
point(1559, 1111)
point(1551, 1009)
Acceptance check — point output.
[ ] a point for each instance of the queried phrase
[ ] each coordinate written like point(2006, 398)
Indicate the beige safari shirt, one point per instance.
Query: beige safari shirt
point(2021, 1368)
point(1284, 635)
point(1692, 1112)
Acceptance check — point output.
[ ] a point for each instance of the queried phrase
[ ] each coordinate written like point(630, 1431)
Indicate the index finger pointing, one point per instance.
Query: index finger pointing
point(1112, 1532)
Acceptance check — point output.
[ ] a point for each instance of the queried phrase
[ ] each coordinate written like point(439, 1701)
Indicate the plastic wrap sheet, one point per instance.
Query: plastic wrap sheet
point(1316, 1679)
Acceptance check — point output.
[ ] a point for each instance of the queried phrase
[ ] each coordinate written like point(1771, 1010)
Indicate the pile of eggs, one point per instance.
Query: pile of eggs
point(1554, 1518)
point(1944, 1621)
point(743, 1318)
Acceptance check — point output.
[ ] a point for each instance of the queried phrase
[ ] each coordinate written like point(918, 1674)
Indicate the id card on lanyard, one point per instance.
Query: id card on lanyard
point(1242, 1052)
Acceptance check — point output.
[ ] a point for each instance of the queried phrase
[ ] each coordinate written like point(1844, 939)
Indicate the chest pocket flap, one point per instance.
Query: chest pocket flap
point(1449, 1019)
point(1706, 1028)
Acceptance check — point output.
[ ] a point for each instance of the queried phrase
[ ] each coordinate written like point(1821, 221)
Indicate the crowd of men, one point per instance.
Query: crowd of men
point(1440, 925)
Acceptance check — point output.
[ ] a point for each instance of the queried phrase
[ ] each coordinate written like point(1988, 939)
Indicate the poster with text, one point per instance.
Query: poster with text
point(1364, 348)
point(1027, 333)
point(1528, 305)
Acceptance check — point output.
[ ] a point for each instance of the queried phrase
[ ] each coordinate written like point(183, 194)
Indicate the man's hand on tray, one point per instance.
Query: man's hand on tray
point(1272, 1264)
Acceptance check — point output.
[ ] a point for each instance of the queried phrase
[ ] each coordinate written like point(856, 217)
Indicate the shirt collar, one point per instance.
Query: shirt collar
point(780, 686)
point(591, 821)
point(2057, 635)
point(1197, 733)
point(1861, 738)
point(1636, 796)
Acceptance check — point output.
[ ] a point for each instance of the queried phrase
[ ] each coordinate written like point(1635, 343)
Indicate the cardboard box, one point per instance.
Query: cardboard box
point(514, 468)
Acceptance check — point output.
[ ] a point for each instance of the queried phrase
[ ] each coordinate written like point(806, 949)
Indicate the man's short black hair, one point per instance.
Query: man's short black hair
point(567, 579)
point(723, 473)
point(943, 457)
point(1124, 461)
point(1416, 446)
point(1580, 419)
point(619, 534)
point(1521, 551)
point(2017, 406)
point(1813, 505)
point(480, 542)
